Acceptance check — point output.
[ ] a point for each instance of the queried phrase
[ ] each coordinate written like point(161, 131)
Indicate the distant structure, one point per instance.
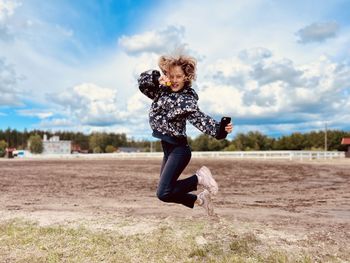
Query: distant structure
point(346, 141)
point(55, 146)
point(128, 150)
point(77, 149)
point(9, 152)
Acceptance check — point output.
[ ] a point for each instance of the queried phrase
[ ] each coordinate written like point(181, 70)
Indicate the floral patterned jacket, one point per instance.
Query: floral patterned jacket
point(170, 110)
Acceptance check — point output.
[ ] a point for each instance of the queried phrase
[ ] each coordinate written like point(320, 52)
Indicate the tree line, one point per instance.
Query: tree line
point(100, 142)
point(97, 142)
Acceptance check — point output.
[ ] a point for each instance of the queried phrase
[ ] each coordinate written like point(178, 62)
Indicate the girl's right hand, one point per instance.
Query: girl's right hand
point(164, 80)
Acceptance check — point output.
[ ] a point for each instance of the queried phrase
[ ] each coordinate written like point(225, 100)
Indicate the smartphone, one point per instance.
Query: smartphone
point(223, 124)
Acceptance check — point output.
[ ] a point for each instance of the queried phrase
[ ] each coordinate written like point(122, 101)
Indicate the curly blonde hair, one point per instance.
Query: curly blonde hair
point(188, 65)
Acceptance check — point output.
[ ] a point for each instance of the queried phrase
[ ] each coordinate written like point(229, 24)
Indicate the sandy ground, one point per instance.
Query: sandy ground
point(285, 203)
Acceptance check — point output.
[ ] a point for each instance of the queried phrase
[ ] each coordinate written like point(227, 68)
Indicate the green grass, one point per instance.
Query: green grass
point(170, 241)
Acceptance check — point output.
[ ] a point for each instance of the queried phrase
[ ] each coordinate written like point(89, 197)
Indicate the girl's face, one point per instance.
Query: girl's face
point(177, 78)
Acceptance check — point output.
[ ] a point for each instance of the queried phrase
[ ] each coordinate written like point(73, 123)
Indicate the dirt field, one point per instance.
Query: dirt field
point(297, 206)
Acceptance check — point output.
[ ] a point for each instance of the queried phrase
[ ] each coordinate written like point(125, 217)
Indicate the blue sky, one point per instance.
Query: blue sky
point(274, 66)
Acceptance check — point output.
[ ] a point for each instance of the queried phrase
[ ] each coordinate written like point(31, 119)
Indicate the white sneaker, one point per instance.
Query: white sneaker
point(206, 180)
point(205, 202)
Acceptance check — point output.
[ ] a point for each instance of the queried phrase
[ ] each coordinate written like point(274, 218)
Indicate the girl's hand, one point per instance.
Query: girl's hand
point(164, 80)
point(229, 127)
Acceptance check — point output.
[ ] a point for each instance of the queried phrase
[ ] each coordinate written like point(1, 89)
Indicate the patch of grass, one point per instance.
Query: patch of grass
point(170, 241)
point(28, 242)
point(244, 244)
point(199, 252)
point(277, 257)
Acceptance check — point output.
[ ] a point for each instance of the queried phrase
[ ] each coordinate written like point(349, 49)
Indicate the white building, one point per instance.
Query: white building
point(55, 146)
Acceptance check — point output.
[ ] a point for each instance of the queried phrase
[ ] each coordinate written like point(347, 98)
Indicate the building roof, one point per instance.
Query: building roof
point(345, 141)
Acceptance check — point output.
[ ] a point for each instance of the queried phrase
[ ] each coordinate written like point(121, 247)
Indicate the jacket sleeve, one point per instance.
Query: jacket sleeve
point(148, 83)
point(199, 119)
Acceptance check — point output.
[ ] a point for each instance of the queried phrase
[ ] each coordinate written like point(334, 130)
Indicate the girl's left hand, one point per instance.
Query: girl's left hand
point(229, 127)
point(164, 80)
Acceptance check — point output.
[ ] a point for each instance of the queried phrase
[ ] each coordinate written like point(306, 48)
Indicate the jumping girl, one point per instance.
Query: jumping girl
point(174, 102)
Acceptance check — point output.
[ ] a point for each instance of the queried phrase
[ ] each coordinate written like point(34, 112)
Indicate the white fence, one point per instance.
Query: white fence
point(287, 155)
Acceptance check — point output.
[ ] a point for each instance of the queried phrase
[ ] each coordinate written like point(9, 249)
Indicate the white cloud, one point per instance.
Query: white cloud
point(88, 107)
point(67, 124)
point(138, 104)
point(64, 31)
point(89, 104)
point(57, 123)
point(242, 25)
point(36, 38)
point(219, 99)
point(282, 92)
point(7, 8)
point(254, 54)
point(8, 85)
point(41, 114)
point(282, 70)
point(156, 41)
point(5, 34)
point(30, 54)
point(318, 32)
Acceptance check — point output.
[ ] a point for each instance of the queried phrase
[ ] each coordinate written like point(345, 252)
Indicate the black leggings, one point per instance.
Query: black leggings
point(176, 158)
